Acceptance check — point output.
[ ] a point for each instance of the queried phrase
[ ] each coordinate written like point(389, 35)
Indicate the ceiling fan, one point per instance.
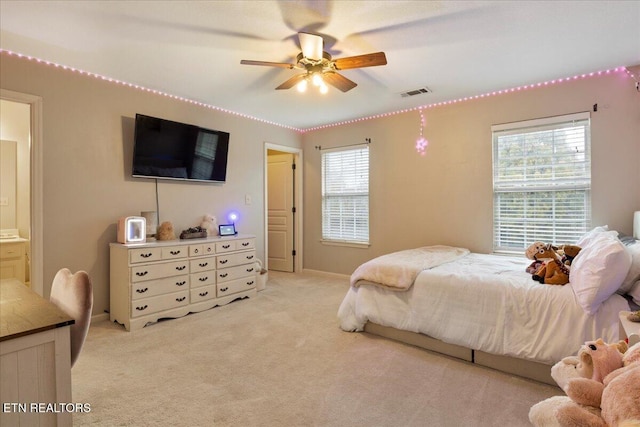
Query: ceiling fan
point(318, 66)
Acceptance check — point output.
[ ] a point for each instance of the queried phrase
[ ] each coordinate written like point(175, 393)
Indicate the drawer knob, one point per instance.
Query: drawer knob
point(146, 255)
point(181, 283)
point(141, 273)
point(250, 283)
point(203, 279)
point(224, 289)
point(226, 246)
point(249, 270)
point(144, 307)
point(249, 257)
point(223, 275)
point(174, 252)
point(181, 267)
point(142, 291)
point(224, 261)
point(195, 251)
point(204, 294)
point(180, 299)
point(208, 249)
point(245, 244)
point(203, 264)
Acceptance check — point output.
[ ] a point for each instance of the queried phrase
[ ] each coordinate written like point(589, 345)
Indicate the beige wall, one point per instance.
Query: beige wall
point(87, 151)
point(445, 197)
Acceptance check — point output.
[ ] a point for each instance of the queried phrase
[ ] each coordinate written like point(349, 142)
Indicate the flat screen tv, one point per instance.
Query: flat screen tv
point(171, 150)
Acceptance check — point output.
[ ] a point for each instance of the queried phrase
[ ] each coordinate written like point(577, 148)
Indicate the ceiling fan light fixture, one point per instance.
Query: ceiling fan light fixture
point(302, 86)
point(324, 88)
point(316, 79)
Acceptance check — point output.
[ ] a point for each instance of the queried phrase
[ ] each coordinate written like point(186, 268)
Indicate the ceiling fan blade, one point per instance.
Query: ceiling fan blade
point(338, 81)
point(311, 46)
point(291, 82)
point(269, 64)
point(360, 61)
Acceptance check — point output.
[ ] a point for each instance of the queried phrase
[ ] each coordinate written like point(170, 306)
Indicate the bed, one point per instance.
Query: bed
point(486, 309)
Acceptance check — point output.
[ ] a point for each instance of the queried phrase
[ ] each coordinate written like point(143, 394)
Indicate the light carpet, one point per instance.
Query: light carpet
point(280, 359)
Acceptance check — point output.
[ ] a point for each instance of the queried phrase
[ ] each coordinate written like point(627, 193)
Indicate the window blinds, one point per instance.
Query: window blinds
point(345, 195)
point(541, 181)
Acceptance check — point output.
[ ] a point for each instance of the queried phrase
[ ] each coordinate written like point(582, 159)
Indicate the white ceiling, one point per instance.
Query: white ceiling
point(192, 49)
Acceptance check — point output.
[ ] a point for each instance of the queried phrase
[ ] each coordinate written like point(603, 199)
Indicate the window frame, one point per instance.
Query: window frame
point(578, 184)
point(339, 236)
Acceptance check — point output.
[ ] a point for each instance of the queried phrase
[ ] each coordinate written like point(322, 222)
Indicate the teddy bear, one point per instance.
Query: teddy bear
point(210, 224)
point(594, 361)
point(552, 270)
point(618, 396)
point(569, 252)
point(165, 231)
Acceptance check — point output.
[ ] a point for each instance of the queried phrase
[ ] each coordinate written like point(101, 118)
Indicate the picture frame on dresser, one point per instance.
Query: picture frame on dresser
point(169, 279)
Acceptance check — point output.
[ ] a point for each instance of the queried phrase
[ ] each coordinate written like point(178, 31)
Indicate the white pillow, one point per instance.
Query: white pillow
point(634, 271)
point(594, 234)
point(635, 292)
point(598, 270)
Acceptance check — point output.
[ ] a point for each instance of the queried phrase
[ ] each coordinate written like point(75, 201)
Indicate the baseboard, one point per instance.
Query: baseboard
point(99, 317)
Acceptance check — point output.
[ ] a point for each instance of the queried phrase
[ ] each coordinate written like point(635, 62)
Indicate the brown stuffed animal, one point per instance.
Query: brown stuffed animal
point(553, 271)
point(569, 252)
point(618, 396)
point(165, 231)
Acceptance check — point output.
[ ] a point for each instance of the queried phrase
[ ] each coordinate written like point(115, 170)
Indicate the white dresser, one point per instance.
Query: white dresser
point(163, 279)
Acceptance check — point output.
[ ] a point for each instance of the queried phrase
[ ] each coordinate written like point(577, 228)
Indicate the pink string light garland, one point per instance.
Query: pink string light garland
point(372, 117)
point(421, 143)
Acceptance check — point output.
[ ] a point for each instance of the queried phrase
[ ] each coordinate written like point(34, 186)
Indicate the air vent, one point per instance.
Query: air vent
point(415, 92)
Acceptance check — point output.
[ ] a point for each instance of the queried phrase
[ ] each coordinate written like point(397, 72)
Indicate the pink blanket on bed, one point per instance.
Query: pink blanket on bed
point(398, 270)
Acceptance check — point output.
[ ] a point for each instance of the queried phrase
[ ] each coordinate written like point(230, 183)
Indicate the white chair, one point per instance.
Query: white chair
point(73, 294)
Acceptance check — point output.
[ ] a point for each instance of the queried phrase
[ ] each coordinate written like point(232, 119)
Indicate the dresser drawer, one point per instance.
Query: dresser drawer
point(245, 244)
point(239, 285)
point(233, 273)
point(203, 278)
point(145, 255)
point(162, 302)
point(231, 260)
point(12, 250)
point(202, 294)
point(150, 288)
point(174, 252)
point(202, 264)
point(225, 246)
point(202, 250)
point(158, 271)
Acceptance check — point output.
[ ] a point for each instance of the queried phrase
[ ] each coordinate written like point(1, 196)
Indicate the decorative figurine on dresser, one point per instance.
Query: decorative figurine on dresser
point(172, 278)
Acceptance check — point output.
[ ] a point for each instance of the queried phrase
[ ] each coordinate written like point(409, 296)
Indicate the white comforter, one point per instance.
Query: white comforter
point(398, 270)
point(487, 303)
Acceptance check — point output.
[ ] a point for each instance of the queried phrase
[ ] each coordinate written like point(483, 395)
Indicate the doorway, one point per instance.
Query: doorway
point(283, 213)
point(21, 119)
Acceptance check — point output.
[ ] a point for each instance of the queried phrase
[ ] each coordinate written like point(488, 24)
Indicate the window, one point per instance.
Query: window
point(345, 195)
point(541, 181)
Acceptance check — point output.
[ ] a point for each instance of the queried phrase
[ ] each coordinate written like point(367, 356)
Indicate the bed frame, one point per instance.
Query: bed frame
point(524, 368)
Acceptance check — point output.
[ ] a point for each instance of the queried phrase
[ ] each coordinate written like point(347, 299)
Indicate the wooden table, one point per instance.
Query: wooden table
point(35, 358)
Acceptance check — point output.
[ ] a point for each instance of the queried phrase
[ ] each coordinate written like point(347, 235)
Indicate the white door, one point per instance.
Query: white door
point(280, 211)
